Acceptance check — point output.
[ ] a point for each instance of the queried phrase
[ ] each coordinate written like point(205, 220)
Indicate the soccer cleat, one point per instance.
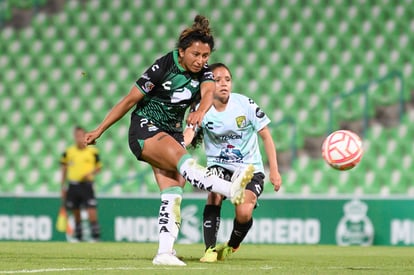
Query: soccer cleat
point(224, 251)
point(210, 256)
point(167, 259)
point(239, 184)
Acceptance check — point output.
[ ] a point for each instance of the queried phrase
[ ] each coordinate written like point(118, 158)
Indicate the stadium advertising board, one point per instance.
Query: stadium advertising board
point(277, 221)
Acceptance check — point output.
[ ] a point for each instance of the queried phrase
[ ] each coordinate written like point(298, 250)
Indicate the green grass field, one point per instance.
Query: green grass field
point(134, 258)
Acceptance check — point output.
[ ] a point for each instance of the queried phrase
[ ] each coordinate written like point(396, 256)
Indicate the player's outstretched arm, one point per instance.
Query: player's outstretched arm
point(270, 149)
point(119, 110)
point(207, 94)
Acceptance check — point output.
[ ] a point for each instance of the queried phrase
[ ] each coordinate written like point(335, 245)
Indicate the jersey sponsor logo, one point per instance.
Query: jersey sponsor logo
point(230, 154)
point(194, 83)
point(241, 121)
point(229, 137)
point(148, 86)
point(259, 113)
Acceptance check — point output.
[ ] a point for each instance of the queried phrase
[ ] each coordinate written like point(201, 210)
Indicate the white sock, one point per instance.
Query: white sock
point(196, 175)
point(169, 219)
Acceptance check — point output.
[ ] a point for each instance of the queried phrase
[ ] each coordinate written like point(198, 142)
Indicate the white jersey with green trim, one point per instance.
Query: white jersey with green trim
point(230, 136)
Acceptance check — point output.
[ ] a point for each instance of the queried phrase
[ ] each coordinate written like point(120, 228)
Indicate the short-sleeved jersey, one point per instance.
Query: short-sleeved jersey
point(230, 136)
point(80, 162)
point(168, 91)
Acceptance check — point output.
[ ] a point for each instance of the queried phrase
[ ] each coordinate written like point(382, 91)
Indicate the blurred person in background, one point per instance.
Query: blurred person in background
point(79, 165)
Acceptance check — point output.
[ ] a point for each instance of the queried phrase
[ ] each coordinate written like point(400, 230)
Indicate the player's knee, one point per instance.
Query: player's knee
point(214, 199)
point(244, 213)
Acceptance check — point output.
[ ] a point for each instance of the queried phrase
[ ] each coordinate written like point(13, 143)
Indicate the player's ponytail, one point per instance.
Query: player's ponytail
point(202, 25)
point(197, 140)
point(199, 31)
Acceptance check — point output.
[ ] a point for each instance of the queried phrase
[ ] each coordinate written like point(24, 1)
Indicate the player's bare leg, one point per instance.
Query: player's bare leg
point(169, 219)
point(165, 152)
point(244, 211)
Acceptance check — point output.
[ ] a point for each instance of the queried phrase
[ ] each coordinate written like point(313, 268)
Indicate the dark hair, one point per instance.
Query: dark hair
point(197, 139)
point(79, 128)
point(219, 65)
point(199, 31)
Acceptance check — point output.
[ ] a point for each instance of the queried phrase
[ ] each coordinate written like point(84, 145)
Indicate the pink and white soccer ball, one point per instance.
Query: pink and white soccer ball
point(342, 150)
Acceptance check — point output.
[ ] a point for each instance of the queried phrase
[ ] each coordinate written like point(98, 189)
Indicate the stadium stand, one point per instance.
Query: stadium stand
point(292, 57)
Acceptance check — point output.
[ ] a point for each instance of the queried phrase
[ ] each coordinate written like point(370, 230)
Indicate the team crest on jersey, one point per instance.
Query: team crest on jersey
point(241, 121)
point(194, 83)
point(148, 86)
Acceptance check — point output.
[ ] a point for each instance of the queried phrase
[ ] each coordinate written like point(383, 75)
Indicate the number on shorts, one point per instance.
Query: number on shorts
point(143, 122)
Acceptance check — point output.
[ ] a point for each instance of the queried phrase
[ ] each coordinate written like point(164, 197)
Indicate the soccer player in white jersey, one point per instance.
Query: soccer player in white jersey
point(229, 130)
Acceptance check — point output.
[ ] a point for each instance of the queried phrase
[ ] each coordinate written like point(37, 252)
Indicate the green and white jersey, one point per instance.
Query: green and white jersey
point(168, 91)
point(230, 136)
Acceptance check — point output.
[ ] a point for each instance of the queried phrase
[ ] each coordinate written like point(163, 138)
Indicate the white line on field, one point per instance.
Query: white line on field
point(44, 270)
point(352, 267)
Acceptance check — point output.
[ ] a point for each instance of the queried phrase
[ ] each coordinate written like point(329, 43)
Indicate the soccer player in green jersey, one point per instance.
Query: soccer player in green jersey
point(161, 97)
point(230, 130)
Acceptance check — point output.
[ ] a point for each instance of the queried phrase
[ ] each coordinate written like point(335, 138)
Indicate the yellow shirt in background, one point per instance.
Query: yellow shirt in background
point(80, 162)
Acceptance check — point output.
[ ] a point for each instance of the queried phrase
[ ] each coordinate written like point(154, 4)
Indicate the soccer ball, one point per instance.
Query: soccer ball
point(342, 150)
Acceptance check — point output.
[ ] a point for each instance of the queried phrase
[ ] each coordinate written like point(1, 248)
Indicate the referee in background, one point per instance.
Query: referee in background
point(80, 164)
